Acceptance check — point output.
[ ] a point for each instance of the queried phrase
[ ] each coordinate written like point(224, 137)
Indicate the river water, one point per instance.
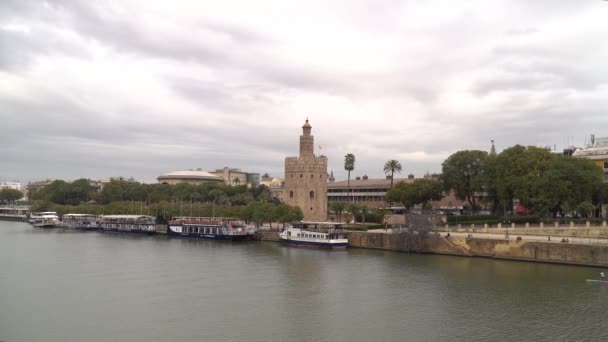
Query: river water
point(61, 285)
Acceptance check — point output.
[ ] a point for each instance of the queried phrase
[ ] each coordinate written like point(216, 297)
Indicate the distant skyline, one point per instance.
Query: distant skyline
point(140, 88)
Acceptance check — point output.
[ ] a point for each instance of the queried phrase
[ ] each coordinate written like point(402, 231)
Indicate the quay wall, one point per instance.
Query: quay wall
point(575, 254)
point(546, 230)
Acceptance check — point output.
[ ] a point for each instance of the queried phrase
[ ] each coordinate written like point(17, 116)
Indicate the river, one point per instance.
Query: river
point(62, 285)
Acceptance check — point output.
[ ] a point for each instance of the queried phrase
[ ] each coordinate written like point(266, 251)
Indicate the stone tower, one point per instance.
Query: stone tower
point(306, 179)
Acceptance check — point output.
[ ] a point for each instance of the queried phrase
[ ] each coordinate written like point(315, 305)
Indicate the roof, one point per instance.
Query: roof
point(127, 216)
point(190, 174)
point(598, 152)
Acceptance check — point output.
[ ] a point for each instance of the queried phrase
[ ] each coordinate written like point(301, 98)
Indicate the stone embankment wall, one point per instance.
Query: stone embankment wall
point(592, 255)
point(267, 235)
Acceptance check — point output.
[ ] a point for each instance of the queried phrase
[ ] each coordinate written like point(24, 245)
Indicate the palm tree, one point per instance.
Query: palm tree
point(349, 165)
point(392, 166)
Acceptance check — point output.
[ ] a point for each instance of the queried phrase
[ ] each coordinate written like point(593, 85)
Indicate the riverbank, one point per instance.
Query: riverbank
point(574, 253)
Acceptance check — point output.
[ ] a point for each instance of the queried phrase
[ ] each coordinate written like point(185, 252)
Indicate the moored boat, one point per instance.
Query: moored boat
point(209, 228)
point(138, 224)
point(47, 222)
point(43, 215)
point(80, 221)
point(330, 235)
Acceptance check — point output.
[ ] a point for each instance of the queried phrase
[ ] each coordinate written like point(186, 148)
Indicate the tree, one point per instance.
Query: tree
point(349, 165)
point(236, 181)
point(418, 192)
point(338, 208)
point(354, 211)
point(10, 195)
point(463, 172)
point(391, 167)
point(586, 208)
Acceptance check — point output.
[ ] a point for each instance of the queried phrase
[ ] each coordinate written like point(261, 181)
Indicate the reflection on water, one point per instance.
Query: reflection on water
point(63, 285)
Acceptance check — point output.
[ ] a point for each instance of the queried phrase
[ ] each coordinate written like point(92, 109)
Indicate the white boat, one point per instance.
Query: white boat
point(139, 224)
point(43, 215)
point(80, 221)
point(316, 234)
point(45, 219)
point(46, 223)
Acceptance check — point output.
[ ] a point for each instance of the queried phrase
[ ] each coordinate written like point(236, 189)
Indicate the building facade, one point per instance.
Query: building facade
point(10, 185)
point(237, 177)
point(190, 176)
point(598, 152)
point(306, 179)
point(371, 192)
point(276, 186)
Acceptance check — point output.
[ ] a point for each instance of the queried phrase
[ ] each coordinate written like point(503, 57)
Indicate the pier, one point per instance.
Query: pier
point(14, 213)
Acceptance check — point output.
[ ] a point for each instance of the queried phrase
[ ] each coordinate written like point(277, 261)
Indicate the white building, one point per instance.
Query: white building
point(10, 185)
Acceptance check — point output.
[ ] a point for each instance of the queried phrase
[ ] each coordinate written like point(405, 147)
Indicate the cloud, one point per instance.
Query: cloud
point(96, 89)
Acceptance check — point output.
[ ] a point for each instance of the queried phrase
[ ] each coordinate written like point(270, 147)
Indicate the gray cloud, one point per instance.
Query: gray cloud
point(94, 89)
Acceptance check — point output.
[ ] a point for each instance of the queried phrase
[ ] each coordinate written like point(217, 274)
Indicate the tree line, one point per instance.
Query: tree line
point(256, 205)
point(81, 190)
point(544, 183)
point(10, 195)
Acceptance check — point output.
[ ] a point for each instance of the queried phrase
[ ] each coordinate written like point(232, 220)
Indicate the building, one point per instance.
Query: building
point(32, 187)
point(306, 179)
point(195, 177)
point(596, 151)
point(10, 185)
point(276, 186)
point(237, 177)
point(371, 192)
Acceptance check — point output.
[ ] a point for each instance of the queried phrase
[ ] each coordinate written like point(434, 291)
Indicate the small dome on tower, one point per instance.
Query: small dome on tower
point(306, 124)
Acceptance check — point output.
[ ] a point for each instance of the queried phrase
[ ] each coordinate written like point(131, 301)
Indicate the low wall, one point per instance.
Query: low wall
point(591, 255)
point(583, 232)
point(266, 235)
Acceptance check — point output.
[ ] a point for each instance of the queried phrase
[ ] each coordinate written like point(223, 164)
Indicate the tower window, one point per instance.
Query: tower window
point(312, 195)
point(291, 194)
point(311, 176)
point(300, 175)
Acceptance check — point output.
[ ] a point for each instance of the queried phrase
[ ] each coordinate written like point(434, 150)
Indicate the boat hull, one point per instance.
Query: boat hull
point(225, 237)
point(315, 244)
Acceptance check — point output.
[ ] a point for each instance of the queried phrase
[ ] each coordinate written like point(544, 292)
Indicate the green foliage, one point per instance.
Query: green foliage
point(338, 208)
point(61, 192)
point(543, 182)
point(349, 162)
point(391, 167)
point(586, 208)
point(464, 173)
point(10, 195)
point(418, 192)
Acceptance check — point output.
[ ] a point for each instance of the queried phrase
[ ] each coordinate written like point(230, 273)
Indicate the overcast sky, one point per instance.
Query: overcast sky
point(140, 88)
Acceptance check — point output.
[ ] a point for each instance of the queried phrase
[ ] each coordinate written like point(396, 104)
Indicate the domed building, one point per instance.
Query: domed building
point(197, 176)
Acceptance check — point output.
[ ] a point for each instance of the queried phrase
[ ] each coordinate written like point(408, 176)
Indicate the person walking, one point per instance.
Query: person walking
point(602, 275)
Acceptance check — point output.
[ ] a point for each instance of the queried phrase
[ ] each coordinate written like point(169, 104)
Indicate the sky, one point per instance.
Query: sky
point(96, 89)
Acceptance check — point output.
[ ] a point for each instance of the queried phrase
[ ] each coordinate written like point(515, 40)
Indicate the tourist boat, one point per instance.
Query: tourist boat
point(217, 228)
point(80, 221)
point(43, 215)
point(47, 222)
point(329, 235)
point(139, 224)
